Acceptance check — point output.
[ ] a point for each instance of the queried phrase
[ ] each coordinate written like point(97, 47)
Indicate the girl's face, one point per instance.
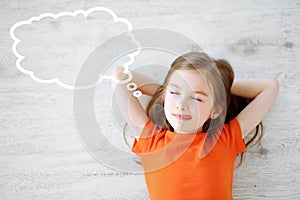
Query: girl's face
point(188, 101)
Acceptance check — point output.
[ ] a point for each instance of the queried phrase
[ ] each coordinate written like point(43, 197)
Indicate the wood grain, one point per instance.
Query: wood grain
point(41, 154)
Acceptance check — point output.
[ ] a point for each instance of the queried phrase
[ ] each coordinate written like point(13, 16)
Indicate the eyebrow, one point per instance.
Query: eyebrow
point(198, 91)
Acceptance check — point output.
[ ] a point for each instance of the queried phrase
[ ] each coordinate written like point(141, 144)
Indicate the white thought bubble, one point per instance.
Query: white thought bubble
point(51, 48)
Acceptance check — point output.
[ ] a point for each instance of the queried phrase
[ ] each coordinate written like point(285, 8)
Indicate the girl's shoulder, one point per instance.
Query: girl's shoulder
point(233, 125)
point(232, 135)
point(151, 137)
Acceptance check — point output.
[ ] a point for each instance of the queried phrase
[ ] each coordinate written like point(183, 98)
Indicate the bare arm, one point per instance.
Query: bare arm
point(130, 107)
point(263, 92)
point(145, 84)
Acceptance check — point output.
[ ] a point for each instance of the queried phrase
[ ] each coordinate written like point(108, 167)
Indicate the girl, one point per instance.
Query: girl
point(186, 150)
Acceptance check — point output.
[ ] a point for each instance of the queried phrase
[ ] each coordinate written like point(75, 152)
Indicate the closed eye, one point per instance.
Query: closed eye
point(197, 99)
point(171, 92)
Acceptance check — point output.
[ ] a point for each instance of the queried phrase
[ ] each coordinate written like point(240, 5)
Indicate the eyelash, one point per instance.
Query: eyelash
point(176, 93)
point(197, 99)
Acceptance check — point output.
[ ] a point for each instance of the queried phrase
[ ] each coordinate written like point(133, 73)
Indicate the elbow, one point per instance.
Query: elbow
point(117, 72)
point(117, 75)
point(274, 85)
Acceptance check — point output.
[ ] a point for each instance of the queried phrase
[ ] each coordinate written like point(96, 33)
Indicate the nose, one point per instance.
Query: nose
point(179, 107)
point(181, 104)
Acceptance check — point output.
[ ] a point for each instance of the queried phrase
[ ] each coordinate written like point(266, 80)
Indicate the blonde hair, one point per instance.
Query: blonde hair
point(219, 76)
point(201, 63)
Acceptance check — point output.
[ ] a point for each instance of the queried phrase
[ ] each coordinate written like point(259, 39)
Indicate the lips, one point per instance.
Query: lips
point(182, 117)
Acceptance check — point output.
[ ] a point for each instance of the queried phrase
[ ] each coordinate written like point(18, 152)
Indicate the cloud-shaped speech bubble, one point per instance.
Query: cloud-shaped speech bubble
point(56, 45)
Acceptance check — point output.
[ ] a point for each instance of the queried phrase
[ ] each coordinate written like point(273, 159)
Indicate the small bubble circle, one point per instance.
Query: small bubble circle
point(137, 93)
point(131, 86)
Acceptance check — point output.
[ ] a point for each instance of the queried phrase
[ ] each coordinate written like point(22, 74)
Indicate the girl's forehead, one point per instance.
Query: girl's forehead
point(191, 79)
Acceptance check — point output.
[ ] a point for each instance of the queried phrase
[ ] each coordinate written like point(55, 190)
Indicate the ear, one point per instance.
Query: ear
point(216, 111)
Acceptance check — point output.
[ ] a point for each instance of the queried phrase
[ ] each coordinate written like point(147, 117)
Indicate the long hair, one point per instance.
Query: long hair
point(236, 104)
point(201, 63)
point(219, 76)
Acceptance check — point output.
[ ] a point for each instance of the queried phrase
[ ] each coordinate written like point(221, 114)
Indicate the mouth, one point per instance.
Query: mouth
point(182, 117)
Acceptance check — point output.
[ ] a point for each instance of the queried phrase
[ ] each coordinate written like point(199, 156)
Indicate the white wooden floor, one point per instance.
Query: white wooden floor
point(41, 156)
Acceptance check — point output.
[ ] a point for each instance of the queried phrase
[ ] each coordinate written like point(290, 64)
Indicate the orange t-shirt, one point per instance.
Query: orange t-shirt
point(174, 170)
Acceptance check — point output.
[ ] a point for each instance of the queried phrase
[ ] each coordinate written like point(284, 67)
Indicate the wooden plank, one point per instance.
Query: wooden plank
point(41, 155)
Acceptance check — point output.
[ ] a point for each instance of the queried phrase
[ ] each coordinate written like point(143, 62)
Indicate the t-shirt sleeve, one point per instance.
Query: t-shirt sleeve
point(148, 138)
point(234, 136)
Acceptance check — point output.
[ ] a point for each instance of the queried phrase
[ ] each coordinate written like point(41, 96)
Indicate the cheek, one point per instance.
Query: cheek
point(202, 110)
point(167, 104)
point(169, 101)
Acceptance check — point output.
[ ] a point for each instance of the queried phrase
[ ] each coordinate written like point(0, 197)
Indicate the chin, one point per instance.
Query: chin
point(180, 129)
